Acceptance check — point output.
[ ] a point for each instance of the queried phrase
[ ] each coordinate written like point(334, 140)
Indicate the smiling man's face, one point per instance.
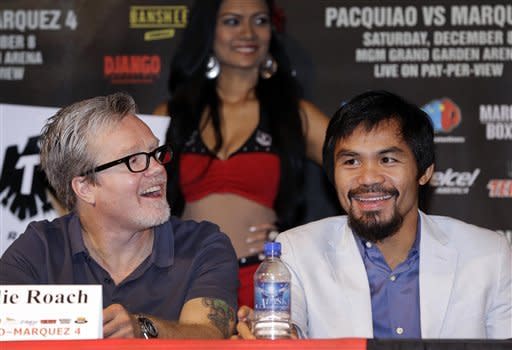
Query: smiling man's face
point(376, 179)
point(124, 199)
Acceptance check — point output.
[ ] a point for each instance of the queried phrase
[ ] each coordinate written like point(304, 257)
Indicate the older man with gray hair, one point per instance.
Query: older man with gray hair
point(161, 277)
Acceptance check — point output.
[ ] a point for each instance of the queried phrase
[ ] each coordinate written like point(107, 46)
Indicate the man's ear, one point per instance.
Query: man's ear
point(425, 178)
point(83, 189)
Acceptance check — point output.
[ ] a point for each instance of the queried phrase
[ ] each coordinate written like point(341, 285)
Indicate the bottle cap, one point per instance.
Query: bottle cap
point(272, 249)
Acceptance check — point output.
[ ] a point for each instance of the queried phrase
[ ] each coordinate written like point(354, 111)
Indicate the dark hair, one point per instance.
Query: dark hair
point(370, 109)
point(279, 96)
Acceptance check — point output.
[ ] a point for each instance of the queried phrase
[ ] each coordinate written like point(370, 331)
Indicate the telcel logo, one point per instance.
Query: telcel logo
point(453, 182)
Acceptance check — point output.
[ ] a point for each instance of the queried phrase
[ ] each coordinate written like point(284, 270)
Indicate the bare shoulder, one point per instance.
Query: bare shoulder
point(314, 124)
point(161, 109)
point(311, 111)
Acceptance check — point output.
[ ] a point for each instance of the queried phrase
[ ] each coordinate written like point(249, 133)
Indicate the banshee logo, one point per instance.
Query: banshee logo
point(161, 20)
point(22, 183)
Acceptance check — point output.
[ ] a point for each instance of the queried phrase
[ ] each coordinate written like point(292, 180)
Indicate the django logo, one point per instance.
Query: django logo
point(22, 184)
point(444, 113)
point(132, 69)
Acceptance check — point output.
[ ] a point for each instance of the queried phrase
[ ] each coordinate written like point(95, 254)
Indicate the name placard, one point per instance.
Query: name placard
point(37, 312)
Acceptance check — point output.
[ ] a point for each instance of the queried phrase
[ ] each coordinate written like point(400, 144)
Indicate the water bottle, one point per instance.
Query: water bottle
point(272, 296)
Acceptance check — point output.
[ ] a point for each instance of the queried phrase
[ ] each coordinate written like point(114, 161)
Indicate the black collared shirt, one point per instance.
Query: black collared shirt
point(189, 260)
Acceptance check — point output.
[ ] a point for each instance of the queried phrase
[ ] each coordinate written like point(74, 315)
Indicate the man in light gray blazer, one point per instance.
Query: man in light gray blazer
point(386, 269)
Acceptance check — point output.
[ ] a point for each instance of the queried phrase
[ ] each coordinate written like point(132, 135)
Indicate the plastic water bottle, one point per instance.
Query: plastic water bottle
point(272, 296)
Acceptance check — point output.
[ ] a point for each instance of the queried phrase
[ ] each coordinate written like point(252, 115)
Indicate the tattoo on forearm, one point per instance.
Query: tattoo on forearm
point(220, 315)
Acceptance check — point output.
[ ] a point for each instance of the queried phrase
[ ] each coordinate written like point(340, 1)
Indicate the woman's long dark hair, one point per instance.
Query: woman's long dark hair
point(278, 96)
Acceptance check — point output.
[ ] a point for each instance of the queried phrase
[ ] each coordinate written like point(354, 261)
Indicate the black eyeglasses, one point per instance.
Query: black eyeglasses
point(138, 162)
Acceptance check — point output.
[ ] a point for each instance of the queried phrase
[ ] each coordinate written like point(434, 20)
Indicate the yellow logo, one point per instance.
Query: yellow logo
point(162, 19)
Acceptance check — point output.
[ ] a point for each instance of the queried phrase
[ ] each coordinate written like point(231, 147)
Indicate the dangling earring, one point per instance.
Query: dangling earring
point(212, 68)
point(268, 67)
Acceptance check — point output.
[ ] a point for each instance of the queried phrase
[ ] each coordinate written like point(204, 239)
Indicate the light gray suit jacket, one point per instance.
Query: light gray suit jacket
point(465, 280)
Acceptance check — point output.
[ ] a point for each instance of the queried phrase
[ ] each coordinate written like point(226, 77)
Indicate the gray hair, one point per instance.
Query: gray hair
point(65, 138)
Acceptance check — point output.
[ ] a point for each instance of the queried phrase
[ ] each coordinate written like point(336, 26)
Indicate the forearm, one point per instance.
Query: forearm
point(200, 318)
point(119, 323)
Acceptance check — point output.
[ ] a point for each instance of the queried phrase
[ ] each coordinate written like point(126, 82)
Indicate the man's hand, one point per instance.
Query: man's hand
point(119, 323)
point(244, 326)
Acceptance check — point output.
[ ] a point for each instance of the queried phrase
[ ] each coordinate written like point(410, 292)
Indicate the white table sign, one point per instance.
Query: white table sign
point(37, 312)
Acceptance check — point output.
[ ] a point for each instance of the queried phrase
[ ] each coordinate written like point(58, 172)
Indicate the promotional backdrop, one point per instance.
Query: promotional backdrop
point(453, 58)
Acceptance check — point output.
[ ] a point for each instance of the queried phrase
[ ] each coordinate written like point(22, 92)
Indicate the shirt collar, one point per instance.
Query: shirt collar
point(363, 244)
point(163, 245)
point(75, 235)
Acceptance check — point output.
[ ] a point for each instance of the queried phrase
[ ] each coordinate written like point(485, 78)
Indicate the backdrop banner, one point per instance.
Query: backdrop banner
point(452, 57)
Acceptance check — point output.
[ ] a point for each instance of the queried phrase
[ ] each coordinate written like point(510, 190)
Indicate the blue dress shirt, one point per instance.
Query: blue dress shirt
point(394, 294)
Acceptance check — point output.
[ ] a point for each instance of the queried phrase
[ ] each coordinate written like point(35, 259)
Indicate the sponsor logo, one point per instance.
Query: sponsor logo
point(500, 188)
point(497, 120)
point(28, 322)
point(81, 320)
point(446, 117)
point(48, 321)
point(132, 69)
point(453, 182)
point(22, 183)
point(161, 20)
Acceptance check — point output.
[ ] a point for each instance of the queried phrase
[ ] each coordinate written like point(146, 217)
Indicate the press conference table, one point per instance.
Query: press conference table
point(321, 344)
